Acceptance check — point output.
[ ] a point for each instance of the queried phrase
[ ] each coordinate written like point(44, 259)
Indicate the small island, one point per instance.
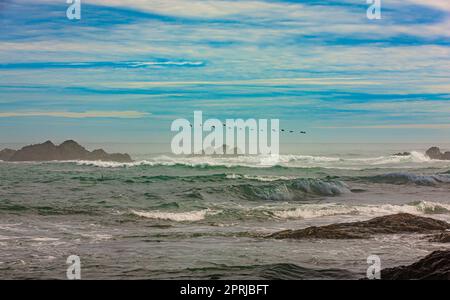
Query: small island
point(69, 150)
point(435, 153)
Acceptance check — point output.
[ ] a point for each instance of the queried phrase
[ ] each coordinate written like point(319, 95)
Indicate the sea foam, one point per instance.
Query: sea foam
point(172, 216)
point(415, 159)
point(308, 211)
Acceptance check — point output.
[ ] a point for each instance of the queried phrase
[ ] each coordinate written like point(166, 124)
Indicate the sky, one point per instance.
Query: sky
point(128, 68)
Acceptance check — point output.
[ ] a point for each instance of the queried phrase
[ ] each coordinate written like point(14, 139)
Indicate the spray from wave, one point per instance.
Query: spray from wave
point(303, 211)
point(288, 161)
point(322, 210)
point(189, 216)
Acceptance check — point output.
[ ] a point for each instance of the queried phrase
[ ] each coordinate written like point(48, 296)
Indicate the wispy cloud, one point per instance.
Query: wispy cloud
point(101, 64)
point(77, 115)
point(392, 126)
point(258, 82)
point(312, 62)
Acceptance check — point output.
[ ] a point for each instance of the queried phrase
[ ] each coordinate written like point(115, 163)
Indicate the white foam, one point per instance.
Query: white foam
point(44, 239)
point(420, 157)
point(415, 159)
point(260, 178)
point(177, 217)
point(309, 211)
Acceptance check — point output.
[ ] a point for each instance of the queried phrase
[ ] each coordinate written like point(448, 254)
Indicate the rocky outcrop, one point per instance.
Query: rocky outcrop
point(6, 154)
point(399, 223)
point(435, 153)
point(435, 266)
point(69, 150)
point(402, 154)
point(443, 237)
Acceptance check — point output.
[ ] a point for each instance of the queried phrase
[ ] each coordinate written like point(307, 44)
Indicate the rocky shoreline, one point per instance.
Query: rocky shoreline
point(69, 150)
point(390, 224)
point(435, 266)
point(433, 153)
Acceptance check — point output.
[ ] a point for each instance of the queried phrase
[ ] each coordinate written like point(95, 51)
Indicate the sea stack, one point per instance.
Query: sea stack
point(69, 150)
point(6, 154)
point(435, 153)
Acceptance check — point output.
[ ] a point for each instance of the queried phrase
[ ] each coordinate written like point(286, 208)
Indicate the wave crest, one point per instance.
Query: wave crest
point(322, 210)
point(303, 211)
point(409, 178)
point(296, 189)
point(189, 216)
point(266, 161)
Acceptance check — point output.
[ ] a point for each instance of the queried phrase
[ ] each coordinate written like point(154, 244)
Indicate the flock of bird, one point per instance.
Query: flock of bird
point(251, 129)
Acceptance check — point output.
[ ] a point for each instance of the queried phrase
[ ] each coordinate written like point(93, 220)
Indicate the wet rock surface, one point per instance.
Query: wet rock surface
point(69, 150)
point(435, 153)
point(391, 224)
point(443, 237)
point(435, 266)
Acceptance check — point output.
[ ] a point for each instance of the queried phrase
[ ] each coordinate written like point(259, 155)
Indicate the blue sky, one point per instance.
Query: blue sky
point(128, 68)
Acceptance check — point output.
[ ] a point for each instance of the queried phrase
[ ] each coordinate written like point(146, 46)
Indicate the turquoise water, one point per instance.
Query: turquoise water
point(206, 217)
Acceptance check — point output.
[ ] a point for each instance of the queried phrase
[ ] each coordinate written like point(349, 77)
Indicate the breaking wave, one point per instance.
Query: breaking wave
point(303, 211)
point(309, 211)
point(297, 189)
point(266, 161)
point(190, 216)
point(260, 178)
point(409, 178)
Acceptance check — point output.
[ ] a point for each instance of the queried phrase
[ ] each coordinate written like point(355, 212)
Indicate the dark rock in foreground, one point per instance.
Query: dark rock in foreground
point(435, 266)
point(435, 153)
point(399, 223)
point(69, 150)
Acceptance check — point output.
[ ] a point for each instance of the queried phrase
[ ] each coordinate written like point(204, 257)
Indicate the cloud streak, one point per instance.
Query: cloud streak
point(77, 115)
point(310, 62)
point(393, 126)
point(101, 64)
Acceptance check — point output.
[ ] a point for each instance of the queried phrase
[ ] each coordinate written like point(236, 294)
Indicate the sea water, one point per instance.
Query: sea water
point(197, 217)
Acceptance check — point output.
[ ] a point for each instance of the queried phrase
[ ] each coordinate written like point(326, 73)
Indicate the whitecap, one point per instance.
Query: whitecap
point(173, 216)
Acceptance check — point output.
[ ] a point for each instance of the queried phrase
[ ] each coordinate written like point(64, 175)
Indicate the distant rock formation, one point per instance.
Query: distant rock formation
point(6, 154)
point(435, 153)
point(391, 224)
point(69, 150)
point(402, 154)
point(435, 266)
point(443, 237)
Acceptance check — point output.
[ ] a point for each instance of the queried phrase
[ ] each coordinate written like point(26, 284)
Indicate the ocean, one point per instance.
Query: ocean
point(166, 217)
